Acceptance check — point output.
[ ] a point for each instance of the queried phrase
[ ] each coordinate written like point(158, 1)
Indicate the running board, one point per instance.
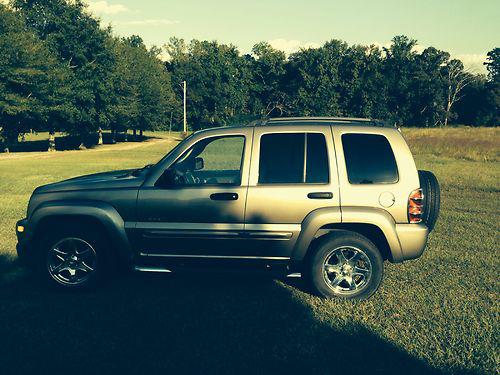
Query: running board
point(165, 270)
point(151, 269)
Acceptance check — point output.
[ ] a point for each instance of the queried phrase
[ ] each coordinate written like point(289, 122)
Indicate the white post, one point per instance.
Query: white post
point(185, 122)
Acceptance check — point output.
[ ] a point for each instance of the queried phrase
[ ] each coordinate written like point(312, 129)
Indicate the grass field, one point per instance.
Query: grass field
point(438, 314)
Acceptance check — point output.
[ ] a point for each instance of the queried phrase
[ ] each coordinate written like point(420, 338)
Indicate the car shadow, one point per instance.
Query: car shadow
point(184, 323)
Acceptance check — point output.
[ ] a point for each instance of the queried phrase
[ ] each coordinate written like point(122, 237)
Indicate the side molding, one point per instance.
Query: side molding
point(100, 211)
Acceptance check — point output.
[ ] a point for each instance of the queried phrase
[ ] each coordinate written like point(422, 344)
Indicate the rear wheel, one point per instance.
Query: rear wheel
point(73, 259)
point(346, 265)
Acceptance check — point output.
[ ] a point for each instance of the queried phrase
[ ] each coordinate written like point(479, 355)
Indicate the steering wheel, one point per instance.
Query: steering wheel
point(186, 178)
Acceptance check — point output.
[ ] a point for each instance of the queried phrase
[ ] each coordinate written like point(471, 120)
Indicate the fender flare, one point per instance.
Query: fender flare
point(310, 226)
point(104, 213)
point(316, 219)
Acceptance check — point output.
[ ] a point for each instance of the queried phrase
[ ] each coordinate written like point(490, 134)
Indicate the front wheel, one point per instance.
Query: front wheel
point(346, 265)
point(72, 260)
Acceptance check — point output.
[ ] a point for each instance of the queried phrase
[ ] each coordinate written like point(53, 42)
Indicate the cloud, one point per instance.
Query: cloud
point(473, 62)
point(103, 7)
point(291, 45)
point(149, 22)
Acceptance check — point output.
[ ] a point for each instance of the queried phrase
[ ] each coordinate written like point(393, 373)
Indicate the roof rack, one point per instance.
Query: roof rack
point(331, 120)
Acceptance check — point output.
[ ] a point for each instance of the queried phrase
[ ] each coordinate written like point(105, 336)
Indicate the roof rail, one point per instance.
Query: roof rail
point(333, 120)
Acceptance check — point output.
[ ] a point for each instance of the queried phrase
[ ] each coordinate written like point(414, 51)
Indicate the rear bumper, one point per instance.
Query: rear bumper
point(413, 239)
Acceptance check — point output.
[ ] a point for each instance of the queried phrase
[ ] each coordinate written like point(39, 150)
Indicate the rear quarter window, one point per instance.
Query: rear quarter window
point(369, 159)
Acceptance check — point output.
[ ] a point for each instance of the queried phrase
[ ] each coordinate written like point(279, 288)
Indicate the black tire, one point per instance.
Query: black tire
point(328, 245)
point(432, 198)
point(92, 237)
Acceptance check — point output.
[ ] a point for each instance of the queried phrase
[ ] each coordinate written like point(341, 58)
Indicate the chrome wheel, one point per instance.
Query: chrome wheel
point(71, 261)
point(347, 270)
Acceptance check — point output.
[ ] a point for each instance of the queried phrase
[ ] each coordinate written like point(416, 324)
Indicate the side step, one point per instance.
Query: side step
point(151, 269)
point(165, 270)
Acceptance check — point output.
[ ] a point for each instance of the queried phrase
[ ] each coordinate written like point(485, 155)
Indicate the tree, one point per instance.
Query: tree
point(493, 64)
point(78, 42)
point(218, 81)
point(493, 85)
point(143, 96)
point(269, 73)
point(428, 87)
point(314, 81)
point(457, 80)
point(33, 84)
point(398, 70)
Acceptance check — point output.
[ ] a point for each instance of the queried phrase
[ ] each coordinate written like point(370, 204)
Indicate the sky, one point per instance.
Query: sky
point(468, 29)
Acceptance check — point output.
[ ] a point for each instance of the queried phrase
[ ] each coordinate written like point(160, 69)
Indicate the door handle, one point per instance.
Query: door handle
point(320, 195)
point(224, 196)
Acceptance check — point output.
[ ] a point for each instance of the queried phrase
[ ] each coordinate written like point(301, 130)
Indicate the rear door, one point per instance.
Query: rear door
point(293, 172)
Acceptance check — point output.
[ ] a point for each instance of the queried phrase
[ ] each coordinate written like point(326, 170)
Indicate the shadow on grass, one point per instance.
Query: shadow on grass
point(179, 324)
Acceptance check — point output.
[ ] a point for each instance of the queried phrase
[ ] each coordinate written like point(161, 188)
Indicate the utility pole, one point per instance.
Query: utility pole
point(185, 122)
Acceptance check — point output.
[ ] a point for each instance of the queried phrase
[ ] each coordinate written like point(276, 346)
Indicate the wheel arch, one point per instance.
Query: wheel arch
point(375, 224)
point(87, 213)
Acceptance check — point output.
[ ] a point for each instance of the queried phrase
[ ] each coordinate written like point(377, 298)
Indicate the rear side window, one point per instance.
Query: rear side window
point(293, 158)
point(369, 159)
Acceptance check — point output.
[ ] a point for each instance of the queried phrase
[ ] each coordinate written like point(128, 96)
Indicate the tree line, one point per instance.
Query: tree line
point(60, 70)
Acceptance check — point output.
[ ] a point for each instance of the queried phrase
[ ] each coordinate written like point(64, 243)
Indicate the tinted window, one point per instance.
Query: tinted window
point(317, 159)
point(369, 159)
point(285, 158)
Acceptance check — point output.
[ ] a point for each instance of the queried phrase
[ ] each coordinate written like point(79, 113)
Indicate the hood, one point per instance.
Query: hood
point(105, 180)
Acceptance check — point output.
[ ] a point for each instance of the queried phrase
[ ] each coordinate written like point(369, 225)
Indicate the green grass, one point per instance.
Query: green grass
point(437, 314)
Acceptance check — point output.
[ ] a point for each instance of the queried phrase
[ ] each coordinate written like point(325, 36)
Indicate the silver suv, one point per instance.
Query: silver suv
point(327, 198)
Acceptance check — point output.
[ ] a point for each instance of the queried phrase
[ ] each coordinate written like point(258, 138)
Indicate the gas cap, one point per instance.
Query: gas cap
point(386, 199)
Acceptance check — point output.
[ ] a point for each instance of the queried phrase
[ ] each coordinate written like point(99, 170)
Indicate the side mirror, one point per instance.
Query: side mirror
point(199, 163)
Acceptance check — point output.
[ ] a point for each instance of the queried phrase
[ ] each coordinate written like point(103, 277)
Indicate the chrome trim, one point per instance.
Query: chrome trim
point(151, 269)
point(211, 256)
point(152, 225)
point(263, 235)
point(274, 227)
point(294, 275)
point(172, 233)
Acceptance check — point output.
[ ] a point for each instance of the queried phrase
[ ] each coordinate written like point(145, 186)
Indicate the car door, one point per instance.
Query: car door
point(196, 208)
point(293, 173)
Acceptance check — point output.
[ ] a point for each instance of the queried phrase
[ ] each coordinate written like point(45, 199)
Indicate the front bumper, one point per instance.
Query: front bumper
point(413, 239)
point(23, 243)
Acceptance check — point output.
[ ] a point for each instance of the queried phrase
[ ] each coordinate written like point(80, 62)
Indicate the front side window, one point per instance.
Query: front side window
point(293, 158)
point(211, 161)
point(369, 159)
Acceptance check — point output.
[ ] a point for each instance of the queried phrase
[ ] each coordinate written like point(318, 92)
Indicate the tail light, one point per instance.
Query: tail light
point(416, 206)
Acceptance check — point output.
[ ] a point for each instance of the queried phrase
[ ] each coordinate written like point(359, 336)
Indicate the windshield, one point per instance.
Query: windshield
point(180, 144)
point(137, 171)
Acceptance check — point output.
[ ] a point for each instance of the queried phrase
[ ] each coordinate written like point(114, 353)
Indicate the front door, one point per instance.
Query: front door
point(197, 207)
